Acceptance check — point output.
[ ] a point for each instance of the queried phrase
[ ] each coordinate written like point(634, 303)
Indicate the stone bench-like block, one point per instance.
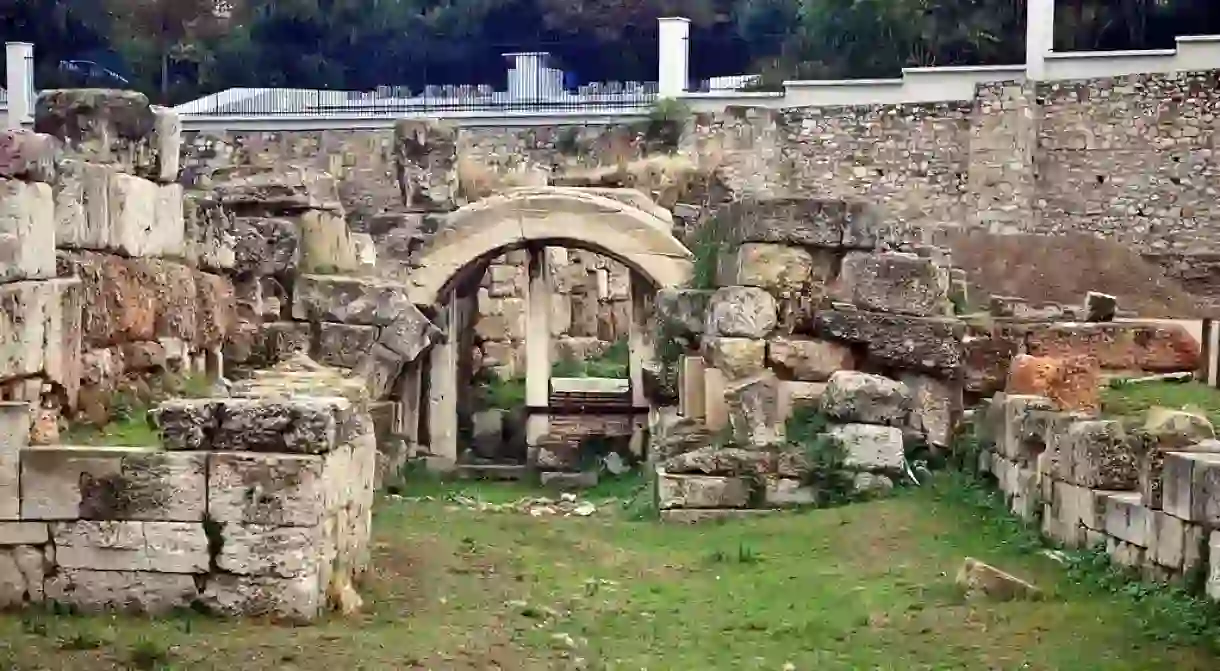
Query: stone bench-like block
point(297, 426)
point(90, 592)
point(163, 547)
point(285, 490)
point(1190, 487)
point(112, 483)
point(701, 491)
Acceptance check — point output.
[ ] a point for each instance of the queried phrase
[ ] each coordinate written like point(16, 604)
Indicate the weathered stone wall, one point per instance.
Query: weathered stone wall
point(1147, 494)
point(1128, 158)
point(233, 514)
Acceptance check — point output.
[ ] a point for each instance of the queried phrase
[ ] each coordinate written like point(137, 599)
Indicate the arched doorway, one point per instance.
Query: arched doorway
point(618, 223)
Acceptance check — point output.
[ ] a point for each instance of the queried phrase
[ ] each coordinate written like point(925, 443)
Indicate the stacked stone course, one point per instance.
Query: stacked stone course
point(812, 309)
point(257, 505)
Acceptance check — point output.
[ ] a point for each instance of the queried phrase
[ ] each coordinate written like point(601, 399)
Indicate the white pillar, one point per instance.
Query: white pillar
point(442, 395)
point(673, 70)
point(538, 346)
point(19, 64)
point(1039, 37)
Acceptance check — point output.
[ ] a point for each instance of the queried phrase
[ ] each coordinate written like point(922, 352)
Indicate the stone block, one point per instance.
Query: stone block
point(163, 547)
point(754, 411)
point(300, 426)
point(780, 269)
point(1102, 455)
point(503, 280)
point(735, 358)
point(784, 493)
point(1153, 347)
point(426, 156)
point(1021, 436)
point(935, 407)
point(24, 533)
point(296, 600)
point(262, 550)
point(288, 189)
point(1072, 383)
point(870, 447)
point(741, 312)
point(23, 570)
point(568, 481)
point(410, 334)
point(1125, 554)
point(14, 437)
point(135, 228)
point(1100, 307)
point(691, 387)
point(894, 282)
point(209, 240)
point(134, 592)
point(379, 368)
point(1173, 543)
point(268, 489)
point(1127, 519)
point(344, 345)
point(812, 222)
point(33, 157)
point(166, 142)
point(264, 345)
point(327, 246)
point(82, 206)
point(27, 231)
point(112, 483)
point(794, 395)
point(1151, 457)
point(699, 516)
point(1190, 485)
point(265, 246)
point(853, 397)
point(102, 126)
point(215, 311)
point(350, 300)
point(931, 345)
point(809, 359)
point(988, 355)
point(721, 461)
point(699, 491)
point(716, 412)
point(683, 310)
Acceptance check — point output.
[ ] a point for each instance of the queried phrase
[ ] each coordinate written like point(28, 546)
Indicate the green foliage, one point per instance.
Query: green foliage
point(614, 362)
point(127, 422)
point(1133, 400)
point(148, 654)
point(501, 394)
point(832, 481)
point(666, 121)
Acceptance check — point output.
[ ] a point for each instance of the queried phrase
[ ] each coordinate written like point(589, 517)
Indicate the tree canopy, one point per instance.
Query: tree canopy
point(180, 49)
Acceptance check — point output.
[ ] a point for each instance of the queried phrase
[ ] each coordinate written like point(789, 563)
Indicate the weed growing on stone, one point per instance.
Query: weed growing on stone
point(666, 121)
point(832, 481)
point(501, 394)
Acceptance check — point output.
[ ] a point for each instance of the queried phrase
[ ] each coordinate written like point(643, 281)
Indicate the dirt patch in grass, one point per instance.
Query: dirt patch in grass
point(1062, 269)
point(864, 586)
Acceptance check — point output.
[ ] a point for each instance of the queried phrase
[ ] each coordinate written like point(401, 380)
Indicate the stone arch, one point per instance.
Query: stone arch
point(621, 223)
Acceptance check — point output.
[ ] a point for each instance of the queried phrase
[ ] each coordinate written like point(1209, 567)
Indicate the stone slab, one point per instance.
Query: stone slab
point(302, 425)
point(696, 516)
point(133, 592)
point(14, 437)
point(344, 345)
point(931, 345)
point(350, 300)
point(870, 447)
point(24, 533)
point(700, 491)
point(1190, 487)
point(163, 547)
point(23, 571)
point(1127, 519)
point(263, 550)
point(27, 231)
point(268, 489)
point(111, 483)
point(294, 600)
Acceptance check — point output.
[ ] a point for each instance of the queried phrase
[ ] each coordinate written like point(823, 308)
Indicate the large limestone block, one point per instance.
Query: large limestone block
point(27, 231)
point(683, 310)
point(33, 157)
point(82, 205)
point(101, 126)
point(327, 246)
point(735, 357)
point(350, 300)
point(894, 282)
point(261, 550)
point(1190, 485)
point(24, 533)
point(988, 352)
point(135, 592)
point(27, 315)
point(1127, 519)
point(854, 397)
point(1119, 346)
point(1167, 430)
point(426, 155)
point(721, 461)
point(1022, 427)
point(932, 345)
point(286, 189)
point(670, 434)
point(295, 426)
point(344, 345)
point(14, 437)
point(295, 600)
point(410, 334)
point(794, 395)
point(1173, 543)
point(780, 269)
point(754, 412)
point(813, 222)
point(164, 547)
point(1072, 383)
point(700, 491)
point(1102, 455)
point(169, 223)
point(112, 483)
point(209, 239)
point(135, 227)
point(741, 312)
point(809, 359)
point(870, 447)
point(379, 368)
point(935, 406)
point(268, 489)
point(23, 569)
point(265, 245)
point(215, 311)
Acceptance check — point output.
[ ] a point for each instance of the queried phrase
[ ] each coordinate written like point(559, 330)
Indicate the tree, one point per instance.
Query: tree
point(172, 27)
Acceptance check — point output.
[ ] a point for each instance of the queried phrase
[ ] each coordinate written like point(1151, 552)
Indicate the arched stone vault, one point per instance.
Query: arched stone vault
point(621, 223)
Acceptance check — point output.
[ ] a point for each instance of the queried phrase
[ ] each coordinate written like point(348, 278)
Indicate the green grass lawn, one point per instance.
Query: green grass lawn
point(868, 586)
point(1133, 400)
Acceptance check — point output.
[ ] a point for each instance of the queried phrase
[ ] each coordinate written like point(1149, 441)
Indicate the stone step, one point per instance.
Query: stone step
point(502, 472)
